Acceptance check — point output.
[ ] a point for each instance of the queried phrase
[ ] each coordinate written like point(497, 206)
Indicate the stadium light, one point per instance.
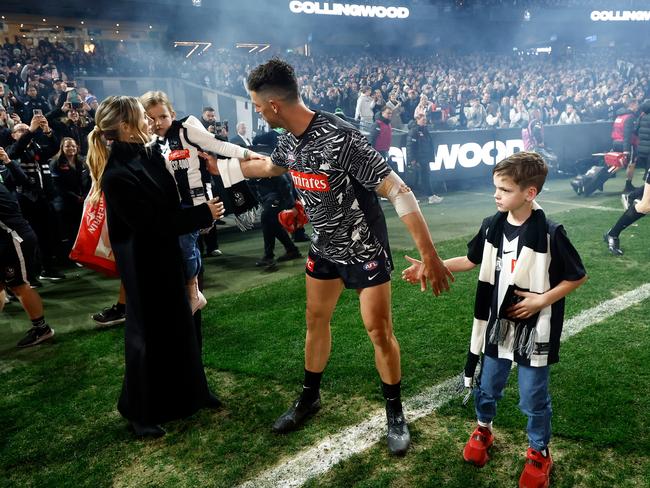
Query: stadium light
point(194, 45)
point(253, 46)
point(196, 3)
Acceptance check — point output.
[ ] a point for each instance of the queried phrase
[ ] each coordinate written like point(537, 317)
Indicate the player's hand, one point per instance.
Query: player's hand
point(413, 273)
point(529, 306)
point(437, 274)
point(216, 208)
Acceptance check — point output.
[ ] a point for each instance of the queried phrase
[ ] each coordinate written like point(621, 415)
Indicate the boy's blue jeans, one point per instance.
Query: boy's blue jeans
point(534, 399)
point(191, 254)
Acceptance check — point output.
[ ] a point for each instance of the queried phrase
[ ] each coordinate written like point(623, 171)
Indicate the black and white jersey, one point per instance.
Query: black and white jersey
point(336, 172)
point(180, 148)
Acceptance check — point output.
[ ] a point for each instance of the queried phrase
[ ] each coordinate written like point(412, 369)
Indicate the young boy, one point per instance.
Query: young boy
point(528, 265)
point(180, 142)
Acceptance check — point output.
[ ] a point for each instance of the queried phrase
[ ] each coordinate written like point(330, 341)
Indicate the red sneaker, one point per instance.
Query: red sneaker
point(476, 449)
point(536, 470)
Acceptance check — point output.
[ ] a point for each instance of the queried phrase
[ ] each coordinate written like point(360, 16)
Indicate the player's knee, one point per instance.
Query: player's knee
point(20, 290)
point(316, 318)
point(643, 206)
point(381, 337)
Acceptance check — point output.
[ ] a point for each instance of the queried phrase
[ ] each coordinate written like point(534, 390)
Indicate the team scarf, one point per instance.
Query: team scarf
point(531, 273)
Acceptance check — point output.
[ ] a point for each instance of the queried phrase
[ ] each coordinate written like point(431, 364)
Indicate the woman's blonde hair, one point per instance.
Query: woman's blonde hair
point(111, 113)
point(152, 98)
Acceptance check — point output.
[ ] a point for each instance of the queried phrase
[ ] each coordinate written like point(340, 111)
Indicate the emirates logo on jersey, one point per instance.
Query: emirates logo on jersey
point(310, 181)
point(179, 154)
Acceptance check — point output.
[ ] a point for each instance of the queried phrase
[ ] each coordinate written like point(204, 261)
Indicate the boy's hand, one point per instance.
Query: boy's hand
point(529, 306)
point(413, 273)
point(437, 273)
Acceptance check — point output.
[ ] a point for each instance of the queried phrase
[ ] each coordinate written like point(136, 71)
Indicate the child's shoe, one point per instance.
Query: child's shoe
point(198, 302)
point(476, 449)
point(536, 470)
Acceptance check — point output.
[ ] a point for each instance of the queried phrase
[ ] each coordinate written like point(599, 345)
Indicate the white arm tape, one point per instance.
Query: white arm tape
point(404, 202)
point(230, 171)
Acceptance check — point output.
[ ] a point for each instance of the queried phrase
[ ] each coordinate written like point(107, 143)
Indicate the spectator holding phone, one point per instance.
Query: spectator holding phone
point(33, 104)
point(34, 145)
point(71, 120)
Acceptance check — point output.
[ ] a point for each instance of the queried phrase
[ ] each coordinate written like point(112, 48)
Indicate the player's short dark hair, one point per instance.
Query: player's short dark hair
point(207, 109)
point(525, 168)
point(275, 77)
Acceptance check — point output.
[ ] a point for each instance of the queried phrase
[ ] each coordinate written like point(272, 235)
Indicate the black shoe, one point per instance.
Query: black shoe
point(109, 316)
point(51, 275)
point(297, 414)
point(288, 256)
point(144, 430)
point(36, 335)
point(399, 437)
point(213, 401)
point(35, 283)
point(264, 262)
point(613, 244)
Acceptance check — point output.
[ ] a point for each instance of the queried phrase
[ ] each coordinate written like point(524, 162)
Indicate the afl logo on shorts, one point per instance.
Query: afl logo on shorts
point(310, 264)
point(370, 266)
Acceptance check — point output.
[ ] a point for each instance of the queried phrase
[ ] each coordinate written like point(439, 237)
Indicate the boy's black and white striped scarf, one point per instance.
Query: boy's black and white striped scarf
point(531, 273)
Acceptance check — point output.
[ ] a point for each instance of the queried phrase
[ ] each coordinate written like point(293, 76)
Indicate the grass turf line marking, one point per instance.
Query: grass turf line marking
point(316, 460)
point(555, 202)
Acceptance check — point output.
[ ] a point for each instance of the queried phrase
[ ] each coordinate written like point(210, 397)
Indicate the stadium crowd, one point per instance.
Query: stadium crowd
point(45, 118)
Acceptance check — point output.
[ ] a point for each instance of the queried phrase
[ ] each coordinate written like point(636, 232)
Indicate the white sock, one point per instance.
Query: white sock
point(486, 425)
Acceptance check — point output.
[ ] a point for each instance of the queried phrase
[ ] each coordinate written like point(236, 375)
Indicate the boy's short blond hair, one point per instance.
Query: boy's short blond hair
point(525, 168)
point(152, 98)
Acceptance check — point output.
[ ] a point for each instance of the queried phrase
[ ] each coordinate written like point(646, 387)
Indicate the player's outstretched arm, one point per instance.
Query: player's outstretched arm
point(235, 170)
point(400, 195)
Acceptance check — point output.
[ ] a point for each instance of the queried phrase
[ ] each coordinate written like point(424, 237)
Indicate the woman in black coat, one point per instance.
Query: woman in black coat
point(71, 183)
point(164, 378)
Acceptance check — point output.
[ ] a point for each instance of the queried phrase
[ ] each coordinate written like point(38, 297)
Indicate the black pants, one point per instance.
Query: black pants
point(421, 179)
point(272, 230)
point(209, 242)
point(43, 220)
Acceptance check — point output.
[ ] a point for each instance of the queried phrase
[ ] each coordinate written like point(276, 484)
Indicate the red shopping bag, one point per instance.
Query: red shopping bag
point(92, 247)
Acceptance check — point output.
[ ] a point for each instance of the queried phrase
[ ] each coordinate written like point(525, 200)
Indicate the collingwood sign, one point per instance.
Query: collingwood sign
point(348, 9)
point(620, 15)
point(449, 157)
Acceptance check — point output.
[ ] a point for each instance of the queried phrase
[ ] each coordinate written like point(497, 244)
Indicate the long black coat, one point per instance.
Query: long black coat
point(164, 378)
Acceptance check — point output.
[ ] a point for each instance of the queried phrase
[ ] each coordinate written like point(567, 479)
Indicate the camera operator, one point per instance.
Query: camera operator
point(35, 145)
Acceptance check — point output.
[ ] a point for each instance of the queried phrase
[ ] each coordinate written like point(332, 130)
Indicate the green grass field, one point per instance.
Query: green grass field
point(59, 425)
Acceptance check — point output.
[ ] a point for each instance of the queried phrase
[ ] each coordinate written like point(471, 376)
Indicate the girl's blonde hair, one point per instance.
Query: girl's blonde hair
point(152, 98)
point(112, 112)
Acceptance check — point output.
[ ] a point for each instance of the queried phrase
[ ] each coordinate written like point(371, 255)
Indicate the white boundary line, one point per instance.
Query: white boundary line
point(556, 202)
point(316, 460)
